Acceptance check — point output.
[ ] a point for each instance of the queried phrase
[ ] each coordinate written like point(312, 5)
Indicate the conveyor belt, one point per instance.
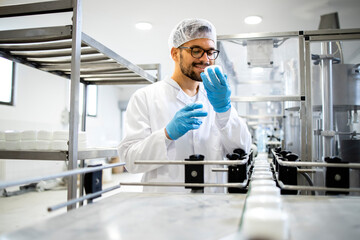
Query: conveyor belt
point(129, 216)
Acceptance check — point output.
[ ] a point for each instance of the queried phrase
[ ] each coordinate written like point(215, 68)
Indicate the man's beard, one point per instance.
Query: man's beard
point(187, 70)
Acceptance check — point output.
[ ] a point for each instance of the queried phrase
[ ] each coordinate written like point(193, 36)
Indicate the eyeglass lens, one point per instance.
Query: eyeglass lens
point(199, 52)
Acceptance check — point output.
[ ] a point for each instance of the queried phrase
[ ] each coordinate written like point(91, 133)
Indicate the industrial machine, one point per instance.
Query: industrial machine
point(300, 90)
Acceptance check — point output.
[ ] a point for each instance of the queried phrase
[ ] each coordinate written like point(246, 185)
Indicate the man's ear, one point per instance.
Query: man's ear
point(175, 54)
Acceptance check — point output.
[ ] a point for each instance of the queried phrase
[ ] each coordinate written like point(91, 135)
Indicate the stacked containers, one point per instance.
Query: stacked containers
point(263, 216)
point(38, 140)
point(12, 140)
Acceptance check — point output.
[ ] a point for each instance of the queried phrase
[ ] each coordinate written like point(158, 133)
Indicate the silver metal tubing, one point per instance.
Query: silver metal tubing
point(74, 98)
point(220, 169)
point(315, 164)
point(335, 37)
point(354, 133)
point(327, 99)
point(168, 184)
point(338, 32)
point(261, 116)
point(258, 35)
point(319, 164)
point(266, 98)
point(58, 175)
point(233, 162)
point(86, 197)
point(307, 154)
point(315, 188)
point(303, 112)
point(309, 170)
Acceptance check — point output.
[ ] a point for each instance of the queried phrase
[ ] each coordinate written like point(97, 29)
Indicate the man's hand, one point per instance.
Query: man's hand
point(185, 119)
point(217, 88)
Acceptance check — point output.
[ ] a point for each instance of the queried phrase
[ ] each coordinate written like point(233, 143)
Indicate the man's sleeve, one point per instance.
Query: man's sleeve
point(141, 142)
point(234, 131)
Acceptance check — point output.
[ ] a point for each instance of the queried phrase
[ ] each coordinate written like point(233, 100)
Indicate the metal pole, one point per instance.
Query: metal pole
point(303, 109)
point(173, 184)
point(58, 175)
point(181, 162)
point(81, 199)
point(74, 99)
point(83, 128)
point(308, 103)
point(327, 99)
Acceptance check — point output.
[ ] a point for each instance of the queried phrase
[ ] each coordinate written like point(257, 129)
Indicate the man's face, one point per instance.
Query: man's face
point(192, 67)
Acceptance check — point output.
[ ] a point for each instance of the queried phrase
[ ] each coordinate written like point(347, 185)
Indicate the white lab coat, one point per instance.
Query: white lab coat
point(150, 109)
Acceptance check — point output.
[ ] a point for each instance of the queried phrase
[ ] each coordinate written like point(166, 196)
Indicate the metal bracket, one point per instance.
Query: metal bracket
point(328, 133)
point(195, 173)
point(237, 173)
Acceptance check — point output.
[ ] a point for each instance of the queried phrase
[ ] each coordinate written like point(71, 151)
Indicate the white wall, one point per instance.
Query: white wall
point(39, 102)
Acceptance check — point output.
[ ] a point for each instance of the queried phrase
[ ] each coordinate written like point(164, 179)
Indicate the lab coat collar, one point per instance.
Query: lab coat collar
point(182, 96)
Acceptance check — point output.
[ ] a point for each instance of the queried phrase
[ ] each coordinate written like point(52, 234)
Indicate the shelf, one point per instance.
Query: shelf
point(49, 49)
point(89, 153)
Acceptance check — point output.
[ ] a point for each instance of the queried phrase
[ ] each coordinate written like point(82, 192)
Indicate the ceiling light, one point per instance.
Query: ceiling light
point(253, 20)
point(143, 25)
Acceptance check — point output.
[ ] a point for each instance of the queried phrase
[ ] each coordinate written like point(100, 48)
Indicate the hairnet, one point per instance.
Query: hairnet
point(190, 29)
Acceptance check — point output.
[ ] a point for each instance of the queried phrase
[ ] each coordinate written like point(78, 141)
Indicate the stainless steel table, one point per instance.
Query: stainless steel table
point(193, 216)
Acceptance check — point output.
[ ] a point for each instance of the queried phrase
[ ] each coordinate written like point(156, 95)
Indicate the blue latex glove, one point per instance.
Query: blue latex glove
point(185, 119)
point(218, 92)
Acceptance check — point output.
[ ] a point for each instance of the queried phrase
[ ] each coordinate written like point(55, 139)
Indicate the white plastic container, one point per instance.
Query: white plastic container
point(261, 163)
point(255, 183)
point(43, 145)
point(29, 135)
point(264, 201)
point(82, 137)
point(265, 223)
point(265, 190)
point(82, 145)
point(60, 135)
point(59, 145)
point(261, 177)
point(262, 168)
point(44, 135)
point(2, 145)
point(2, 136)
point(262, 172)
point(12, 135)
point(12, 145)
point(212, 67)
point(28, 145)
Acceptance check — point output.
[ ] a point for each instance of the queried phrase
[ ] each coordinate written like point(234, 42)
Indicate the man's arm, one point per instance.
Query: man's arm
point(141, 142)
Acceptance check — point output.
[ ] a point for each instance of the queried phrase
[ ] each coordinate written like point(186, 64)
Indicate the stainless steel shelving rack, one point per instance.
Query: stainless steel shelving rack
point(67, 52)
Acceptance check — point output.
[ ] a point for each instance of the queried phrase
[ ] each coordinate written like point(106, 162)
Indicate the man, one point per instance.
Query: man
point(181, 116)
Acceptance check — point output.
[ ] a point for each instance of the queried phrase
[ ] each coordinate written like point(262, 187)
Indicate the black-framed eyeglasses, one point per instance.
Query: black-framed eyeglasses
point(198, 52)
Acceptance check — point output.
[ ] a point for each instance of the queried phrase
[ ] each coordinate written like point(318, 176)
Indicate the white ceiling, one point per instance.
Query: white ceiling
point(112, 22)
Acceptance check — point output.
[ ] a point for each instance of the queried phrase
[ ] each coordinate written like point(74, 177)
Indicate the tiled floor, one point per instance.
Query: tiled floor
point(22, 210)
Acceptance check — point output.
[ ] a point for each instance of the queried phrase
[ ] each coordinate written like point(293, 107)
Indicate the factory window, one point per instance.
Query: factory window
point(92, 100)
point(7, 80)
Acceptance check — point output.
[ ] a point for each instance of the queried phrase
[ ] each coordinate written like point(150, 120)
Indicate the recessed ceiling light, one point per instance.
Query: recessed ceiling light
point(253, 20)
point(143, 25)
